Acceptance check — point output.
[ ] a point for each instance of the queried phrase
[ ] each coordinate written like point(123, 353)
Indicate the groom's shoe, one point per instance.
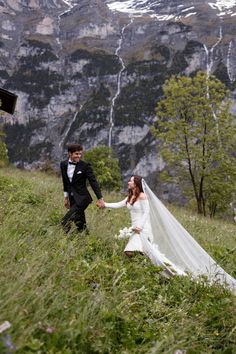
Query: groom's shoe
point(83, 230)
point(66, 227)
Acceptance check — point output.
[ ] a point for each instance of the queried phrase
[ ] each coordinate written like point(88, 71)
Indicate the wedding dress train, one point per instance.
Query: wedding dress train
point(168, 245)
point(143, 242)
point(179, 246)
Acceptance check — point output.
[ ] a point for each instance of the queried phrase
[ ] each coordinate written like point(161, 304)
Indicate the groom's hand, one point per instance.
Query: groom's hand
point(67, 202)
point(100, 203)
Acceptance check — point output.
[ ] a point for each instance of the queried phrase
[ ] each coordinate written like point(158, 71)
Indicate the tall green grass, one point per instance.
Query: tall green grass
point(75, 293)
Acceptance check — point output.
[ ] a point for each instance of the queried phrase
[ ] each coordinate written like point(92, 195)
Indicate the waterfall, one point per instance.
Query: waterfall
point(120, 42)
point(230, 75)
point(210, 53)
point(70, 4)
point(210, 62)
point(64, 136)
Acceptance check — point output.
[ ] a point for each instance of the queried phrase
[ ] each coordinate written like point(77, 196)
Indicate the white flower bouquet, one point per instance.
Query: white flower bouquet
point(126, 232)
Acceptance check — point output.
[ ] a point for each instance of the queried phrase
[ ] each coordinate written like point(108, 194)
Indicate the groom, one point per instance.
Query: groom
point(75, 174)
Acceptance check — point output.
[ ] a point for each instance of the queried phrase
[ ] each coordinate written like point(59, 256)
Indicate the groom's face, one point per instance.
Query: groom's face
point(75, 156)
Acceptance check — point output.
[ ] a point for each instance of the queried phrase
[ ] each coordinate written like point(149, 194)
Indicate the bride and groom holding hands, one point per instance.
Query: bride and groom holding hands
point(155, 231)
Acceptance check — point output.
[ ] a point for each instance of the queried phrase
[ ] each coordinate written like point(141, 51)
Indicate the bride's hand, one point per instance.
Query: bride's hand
point(136, 230)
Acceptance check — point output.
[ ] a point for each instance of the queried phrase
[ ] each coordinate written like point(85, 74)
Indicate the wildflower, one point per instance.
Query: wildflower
point(50, 330)
point(7, 344)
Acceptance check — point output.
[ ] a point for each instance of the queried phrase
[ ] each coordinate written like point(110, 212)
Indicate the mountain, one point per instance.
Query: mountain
point(92, 71)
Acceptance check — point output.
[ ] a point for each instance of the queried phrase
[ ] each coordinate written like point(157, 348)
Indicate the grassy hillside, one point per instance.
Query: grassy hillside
point(80, 294)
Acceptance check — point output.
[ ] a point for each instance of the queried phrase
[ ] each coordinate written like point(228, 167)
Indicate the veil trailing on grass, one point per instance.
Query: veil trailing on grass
point(179, 246)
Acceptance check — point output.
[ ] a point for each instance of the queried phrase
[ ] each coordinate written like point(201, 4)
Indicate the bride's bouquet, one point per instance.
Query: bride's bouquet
point(126, 232)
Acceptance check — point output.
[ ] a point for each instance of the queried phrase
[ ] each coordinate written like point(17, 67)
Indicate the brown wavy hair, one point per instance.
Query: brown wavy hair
point(134, 193)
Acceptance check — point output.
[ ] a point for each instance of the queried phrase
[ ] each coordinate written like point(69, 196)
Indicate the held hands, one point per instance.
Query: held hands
point(100, 203)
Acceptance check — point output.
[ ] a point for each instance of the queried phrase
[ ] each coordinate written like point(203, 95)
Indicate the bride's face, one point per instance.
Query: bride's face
point(131, 184)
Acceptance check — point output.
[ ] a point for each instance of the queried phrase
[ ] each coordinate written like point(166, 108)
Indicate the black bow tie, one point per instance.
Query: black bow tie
point(72, 163)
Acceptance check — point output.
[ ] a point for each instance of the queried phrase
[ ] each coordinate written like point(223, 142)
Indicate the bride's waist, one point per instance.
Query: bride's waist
point(137, 223)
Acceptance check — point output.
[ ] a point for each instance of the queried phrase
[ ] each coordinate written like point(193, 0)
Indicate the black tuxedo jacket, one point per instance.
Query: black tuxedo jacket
point(78, 186)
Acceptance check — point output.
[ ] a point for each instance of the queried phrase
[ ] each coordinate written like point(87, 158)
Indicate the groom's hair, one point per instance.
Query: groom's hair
point(74, 147)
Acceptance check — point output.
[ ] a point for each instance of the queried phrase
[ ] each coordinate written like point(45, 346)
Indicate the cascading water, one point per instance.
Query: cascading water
point(64, 136)
point(209, 65)
point(210, 53)
point(229, 72)
point(111, 122)
point(70, 4)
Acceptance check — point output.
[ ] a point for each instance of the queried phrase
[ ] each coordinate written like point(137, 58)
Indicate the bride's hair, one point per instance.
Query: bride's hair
point(134, 193)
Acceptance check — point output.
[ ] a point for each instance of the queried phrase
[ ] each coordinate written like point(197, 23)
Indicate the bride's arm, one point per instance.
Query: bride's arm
point(117, 205)
point(145, 214)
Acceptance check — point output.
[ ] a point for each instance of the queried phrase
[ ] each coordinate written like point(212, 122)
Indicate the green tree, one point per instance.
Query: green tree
point(3, 148)
point(105, 166)
point(197, 137)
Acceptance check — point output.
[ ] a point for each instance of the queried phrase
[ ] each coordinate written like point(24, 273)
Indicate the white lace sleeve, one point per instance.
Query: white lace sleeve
point(117, 205)
point(145, 213)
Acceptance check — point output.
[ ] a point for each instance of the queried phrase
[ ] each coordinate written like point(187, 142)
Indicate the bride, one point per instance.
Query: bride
point(157, 234)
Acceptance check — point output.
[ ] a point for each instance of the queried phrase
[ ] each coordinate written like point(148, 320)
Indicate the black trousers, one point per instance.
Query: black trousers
point(76, 214)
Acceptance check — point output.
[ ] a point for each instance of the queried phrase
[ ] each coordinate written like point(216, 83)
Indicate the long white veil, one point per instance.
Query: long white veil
point(179, 246)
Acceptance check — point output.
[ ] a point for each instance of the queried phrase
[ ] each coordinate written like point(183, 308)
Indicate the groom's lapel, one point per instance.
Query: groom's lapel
point(77, 167)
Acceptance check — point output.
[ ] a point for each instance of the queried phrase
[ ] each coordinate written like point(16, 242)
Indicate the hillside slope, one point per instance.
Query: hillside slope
point(82, 295)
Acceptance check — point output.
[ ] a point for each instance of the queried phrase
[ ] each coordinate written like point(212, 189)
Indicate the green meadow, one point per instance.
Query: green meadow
point(65, 294)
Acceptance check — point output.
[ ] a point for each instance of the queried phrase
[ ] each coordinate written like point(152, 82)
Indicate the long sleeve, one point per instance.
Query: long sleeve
point(145, 213)
point(117, 205)
point(93, 182)
point(64, 177)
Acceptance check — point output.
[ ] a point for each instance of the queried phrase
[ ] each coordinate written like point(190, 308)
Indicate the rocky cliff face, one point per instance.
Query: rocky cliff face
point(92, 71)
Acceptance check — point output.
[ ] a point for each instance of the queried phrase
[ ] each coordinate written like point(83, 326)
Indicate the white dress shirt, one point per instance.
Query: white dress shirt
point(70, 172)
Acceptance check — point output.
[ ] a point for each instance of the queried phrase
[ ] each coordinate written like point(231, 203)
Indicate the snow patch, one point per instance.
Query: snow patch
point(224, 7)
point(191, 14)
point(132, 7)
point(145, 7)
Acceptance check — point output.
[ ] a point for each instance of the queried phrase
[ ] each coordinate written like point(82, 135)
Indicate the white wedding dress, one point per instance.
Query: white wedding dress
point(139, 213)
point(143, 242)
point(165, 241)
